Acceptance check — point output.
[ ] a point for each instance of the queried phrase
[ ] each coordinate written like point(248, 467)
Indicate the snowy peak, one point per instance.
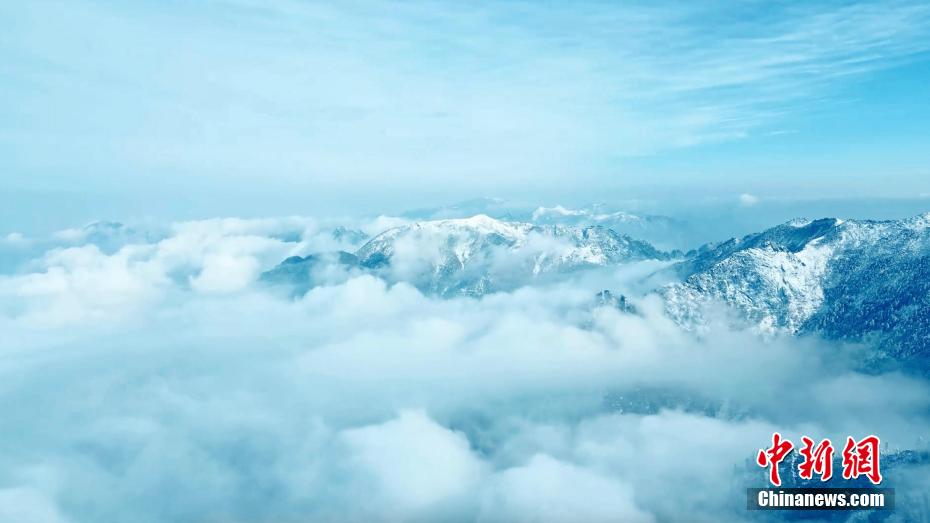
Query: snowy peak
point(495, 207)
point(852, 279)
point(477, 225)
point(663, 231)
point(858, 280)
point(478, 254)
point(442, 241)
point(919, 222)
point(593, 244)
point(793, 236)
point(595, 214)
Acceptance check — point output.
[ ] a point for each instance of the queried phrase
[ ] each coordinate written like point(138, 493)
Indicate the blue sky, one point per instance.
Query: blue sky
point(109, 109)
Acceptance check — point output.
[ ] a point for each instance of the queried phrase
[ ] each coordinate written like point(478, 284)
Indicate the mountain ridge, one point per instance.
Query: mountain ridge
point(476, 255)
point(850, 280)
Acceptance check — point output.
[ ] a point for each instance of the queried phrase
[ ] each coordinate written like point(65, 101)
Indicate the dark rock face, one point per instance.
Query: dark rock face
point(606, 298)
point(298, 272)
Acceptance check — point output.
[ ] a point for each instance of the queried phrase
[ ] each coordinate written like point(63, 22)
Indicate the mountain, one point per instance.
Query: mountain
point(474, 256)
point(605, 298)
point(853, 280)
point(301, 273)
point(352, 237)
point(108, 236)
point(597, 213)
point(669, 233)
point(498, 208)
point(477, 255)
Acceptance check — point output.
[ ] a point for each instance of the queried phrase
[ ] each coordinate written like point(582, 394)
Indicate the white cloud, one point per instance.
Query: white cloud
point(748, 200)
point(24, 505)
point(546, 489)
point(416, 464)
point(476, 94)
point(372, 401)
point(15, 238)
point(225, 273)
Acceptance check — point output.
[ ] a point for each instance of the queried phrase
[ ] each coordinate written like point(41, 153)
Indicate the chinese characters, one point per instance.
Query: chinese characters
point(859, 458)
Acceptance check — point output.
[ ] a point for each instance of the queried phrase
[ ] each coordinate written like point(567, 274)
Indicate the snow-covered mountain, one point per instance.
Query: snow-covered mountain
point(349, 236)
point(662, 231)
point(498, 208)
point(477, 255)
point(850, 280)
point(597, 214)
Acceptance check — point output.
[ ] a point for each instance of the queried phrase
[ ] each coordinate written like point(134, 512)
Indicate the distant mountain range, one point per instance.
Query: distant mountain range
point(477, 255)
point(663, 231)
point(849, 280)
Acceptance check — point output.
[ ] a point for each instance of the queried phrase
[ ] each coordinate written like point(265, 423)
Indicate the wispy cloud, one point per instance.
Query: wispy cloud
point(748, 200)
point(471, 94)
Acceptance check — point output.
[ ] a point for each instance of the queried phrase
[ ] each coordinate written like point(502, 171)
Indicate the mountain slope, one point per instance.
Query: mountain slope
point(851, 280)
point(476, 255)
point(663, 231)
point(666, 232)
point(302, 273)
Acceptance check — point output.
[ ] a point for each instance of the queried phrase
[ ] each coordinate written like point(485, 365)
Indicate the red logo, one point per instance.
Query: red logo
point(771, 457)
point(819, 460)
point(862, 459)
point(859, 458)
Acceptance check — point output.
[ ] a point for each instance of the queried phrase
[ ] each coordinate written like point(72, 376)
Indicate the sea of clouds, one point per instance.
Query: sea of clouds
point(150, 377)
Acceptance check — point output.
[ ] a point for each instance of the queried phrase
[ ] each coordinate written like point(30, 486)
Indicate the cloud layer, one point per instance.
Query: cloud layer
point(162, 372)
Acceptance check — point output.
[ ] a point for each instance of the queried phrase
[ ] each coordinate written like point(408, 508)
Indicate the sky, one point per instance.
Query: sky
point(244, 108)
point(150, 375)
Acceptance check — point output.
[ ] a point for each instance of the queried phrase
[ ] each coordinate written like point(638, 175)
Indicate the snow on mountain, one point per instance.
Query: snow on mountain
point(349, 236)
point(851, 280)
point(498, 208)
point(663, 231)
point(856, 280)
point(480, 254)
point(477, 255)
point(559, 213)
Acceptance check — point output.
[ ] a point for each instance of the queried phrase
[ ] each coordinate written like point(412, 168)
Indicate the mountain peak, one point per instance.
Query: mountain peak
point(556, 210)
point(477, 221)
point(481, 254)
point(843, 279)
point(479, 224)
point(921, 221)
